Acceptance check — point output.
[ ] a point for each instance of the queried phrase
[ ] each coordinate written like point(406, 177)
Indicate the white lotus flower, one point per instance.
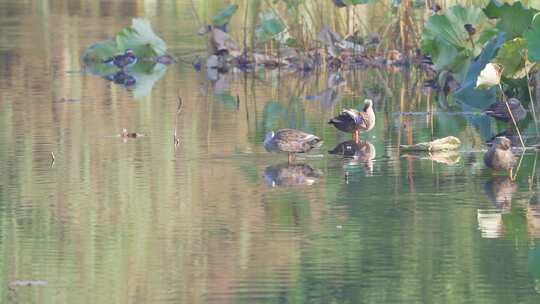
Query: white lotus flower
point(489, 76)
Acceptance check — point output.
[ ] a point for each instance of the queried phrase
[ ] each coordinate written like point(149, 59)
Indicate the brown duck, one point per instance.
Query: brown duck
point(499, 157)
point(354, 121)
point(291, 141)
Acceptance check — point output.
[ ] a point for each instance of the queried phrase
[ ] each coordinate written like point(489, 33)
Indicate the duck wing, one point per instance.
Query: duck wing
point(346, 121)
point(498, 110)
point(291, 140)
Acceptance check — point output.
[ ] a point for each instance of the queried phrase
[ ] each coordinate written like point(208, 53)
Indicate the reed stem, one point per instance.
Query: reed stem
point(512, 116)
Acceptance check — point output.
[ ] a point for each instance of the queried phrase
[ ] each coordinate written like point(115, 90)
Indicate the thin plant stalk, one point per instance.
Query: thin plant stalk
point(512, 116)
point(533, 106)
point(513, 178)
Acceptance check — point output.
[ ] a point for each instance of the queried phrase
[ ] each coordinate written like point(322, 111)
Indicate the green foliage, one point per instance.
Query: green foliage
point(513, 19)
point(225, 15)
point(270, 26)
point(139, 37)
point(510, 56)
point(532, 36)
point(468, 93)
point(447, 41)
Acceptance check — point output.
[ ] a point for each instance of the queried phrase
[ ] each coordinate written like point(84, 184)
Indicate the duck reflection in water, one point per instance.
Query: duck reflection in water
point(499, 191)
point(289, 175)
point(355, 153)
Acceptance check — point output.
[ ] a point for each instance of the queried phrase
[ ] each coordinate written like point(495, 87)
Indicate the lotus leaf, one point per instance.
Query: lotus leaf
point(479, 99)
point(532, 36)
point(510, 56)
point(225, 15)
point(139, 37)
point(513, 19)
point(447, 41)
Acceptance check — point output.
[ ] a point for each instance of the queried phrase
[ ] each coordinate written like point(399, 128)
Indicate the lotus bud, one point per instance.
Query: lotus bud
point(489, 76)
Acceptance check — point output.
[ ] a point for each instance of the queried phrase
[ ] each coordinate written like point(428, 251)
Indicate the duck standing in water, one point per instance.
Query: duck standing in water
point(122, 60)
point(291, 141)
point(499, 157)
point(354, 121)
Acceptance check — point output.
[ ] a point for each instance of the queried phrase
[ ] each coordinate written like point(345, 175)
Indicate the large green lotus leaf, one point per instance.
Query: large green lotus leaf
point(270, 26)
point(225, 15)
point(510, 56)
point(468, 94)
point(442, 32)
point(139, 37)
point(99, 51)
point(532, 36)
point(513, 19)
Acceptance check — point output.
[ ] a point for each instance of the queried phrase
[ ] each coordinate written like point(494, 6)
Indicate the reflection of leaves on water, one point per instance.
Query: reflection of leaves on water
point(227, 99)
point(139, 78)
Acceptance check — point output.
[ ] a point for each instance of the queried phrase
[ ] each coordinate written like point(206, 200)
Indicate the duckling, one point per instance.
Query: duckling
point(126, 134)
point(291, 141)
point(122, 60)
point(354, 121)
point(499, 157)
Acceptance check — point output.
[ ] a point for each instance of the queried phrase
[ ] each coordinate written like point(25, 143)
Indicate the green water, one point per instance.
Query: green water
point(216, 219)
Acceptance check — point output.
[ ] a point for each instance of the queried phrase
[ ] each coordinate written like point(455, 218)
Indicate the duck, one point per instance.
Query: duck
point(354, 121)
point(354, 153)
point(291, 141)
point(122, 78)
point(290, 175)
point(499, 191)
point(499, 157)
point(122, 60)
point(499, 111)
point(126, 134)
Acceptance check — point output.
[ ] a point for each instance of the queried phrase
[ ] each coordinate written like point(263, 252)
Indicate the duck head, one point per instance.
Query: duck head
point(268, 141)
point(503, 143)
point(368, 104)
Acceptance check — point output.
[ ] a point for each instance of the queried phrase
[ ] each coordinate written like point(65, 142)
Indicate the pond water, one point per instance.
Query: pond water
point(218, 219)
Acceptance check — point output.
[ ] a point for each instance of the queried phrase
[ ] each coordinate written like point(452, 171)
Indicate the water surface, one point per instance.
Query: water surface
point(218, 219)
